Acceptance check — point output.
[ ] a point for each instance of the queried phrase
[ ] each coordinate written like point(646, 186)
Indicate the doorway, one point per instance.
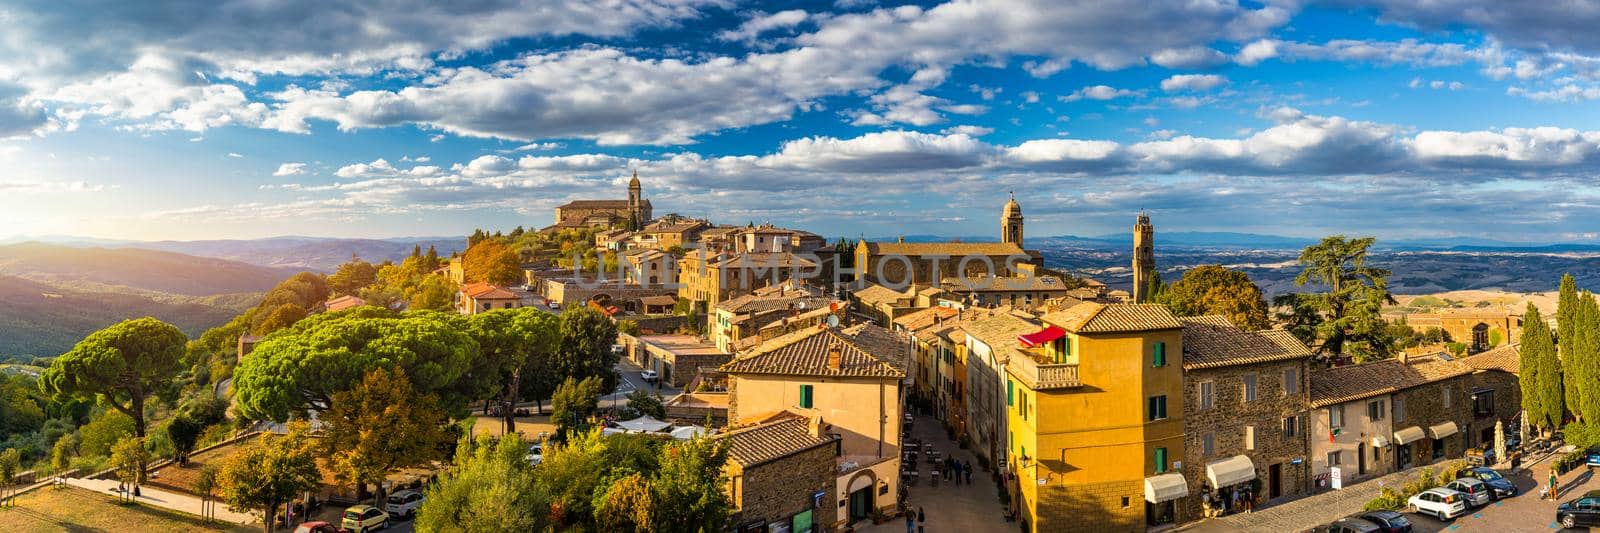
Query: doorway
point(1361, 459)
point(1274, 481)
point(861, 504)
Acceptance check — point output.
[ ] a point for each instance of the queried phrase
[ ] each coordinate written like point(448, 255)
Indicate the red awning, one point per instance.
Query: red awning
point(1042, 336)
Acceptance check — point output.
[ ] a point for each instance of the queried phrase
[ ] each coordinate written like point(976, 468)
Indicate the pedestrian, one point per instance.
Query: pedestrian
point(1553, 484)
point(969, 474)
point(922, 519)
point(911, 521)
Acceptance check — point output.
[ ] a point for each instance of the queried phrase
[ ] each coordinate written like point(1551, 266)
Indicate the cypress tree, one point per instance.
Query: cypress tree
point(1535, 337)
point(1566, 317)
point(1586, 329)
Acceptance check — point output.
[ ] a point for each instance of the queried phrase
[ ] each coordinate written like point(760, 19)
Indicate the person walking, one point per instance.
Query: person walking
point(1552, 489)
point(969, 473)
point(911, 521)
point(922, 519)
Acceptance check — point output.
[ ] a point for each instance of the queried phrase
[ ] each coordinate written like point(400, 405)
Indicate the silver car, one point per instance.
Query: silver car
point(1478, 493)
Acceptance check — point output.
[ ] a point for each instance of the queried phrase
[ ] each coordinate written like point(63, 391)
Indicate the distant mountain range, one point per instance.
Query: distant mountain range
point(292, 252)
point(1257, 241)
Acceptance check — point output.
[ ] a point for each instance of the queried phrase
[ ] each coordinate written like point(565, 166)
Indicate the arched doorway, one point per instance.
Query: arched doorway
point(1480, 338)
point(860, 490)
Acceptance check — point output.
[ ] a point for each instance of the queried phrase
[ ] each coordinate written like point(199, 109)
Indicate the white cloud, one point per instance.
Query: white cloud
point(290, 169)
point(970, 131)
point(1189, 57)
point(762, 23)
point(1193, 82)
point(1097, 92)
point(236, 155)
point(1564, 93)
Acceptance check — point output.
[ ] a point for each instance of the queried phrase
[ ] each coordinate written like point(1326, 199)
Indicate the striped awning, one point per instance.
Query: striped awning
point(1408, 435)
point(1379, 442)
point(1439, 431)
point(1231, 471)
point(1165, 487)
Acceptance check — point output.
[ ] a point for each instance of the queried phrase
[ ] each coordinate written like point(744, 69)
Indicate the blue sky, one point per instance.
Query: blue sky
point(234, 119)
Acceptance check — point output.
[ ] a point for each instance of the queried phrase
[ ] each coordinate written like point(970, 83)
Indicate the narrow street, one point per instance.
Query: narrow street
point(949, 506)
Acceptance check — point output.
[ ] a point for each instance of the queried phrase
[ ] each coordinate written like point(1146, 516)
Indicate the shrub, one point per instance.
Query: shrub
point(1389, 499)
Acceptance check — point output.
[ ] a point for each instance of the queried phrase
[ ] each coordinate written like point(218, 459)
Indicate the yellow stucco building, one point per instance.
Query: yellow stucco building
point(1094, 405)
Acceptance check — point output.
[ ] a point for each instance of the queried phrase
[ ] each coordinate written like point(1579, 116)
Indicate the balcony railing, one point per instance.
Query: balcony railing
point(1040, 376)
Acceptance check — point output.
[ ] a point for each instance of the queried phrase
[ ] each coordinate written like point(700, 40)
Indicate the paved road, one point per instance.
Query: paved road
point(950, 507)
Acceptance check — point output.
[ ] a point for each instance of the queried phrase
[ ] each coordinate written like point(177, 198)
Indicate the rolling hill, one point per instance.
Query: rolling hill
point(144, 272)
point(39, 319)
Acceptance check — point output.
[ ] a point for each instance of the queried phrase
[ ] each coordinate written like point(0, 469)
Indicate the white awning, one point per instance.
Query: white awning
point(1231, 471)
point(1408, 435)
point(1379, 442)
point(689, 432)
point(1442, 430)
point(1165, 487)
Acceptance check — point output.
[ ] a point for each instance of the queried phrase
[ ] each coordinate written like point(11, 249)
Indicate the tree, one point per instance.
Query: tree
point(515, 344)
point(573, 403)
point(1566, 340)
point(103, 431)
point(121, 365)
point(433, 293)
point(1539, 372)
point(183, 431)
point(62, 452)
point(647, 403)
point(1351, 309)
point(586, 339)
point(689, 488)
point(301, 368)
point(627, 505)
point(1582, 368)
point(206, 486)
point(269, 472)
point(129, 458)
point(1298, 314)
point(381, 425)
point(489, 261)
point(351, 277)
point(1214, 290)
point(10, 461)
point(490, 488)
point(282, 316)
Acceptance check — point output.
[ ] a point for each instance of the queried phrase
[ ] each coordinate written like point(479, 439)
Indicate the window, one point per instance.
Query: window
point(1158, 408)
point(1161, 460)
point(1333, 458)
point(1447, 397)
point(1375, 410)
point(1125, 502)
point(1291, 381)
point(805, 396)
point(1399, 409)
point(1208, 444)
point(1377, 454)
point(1249, 437)
point(1483, 403)
point(1250, 387)
point(1336, 416)
point(1291, 425)
point(1010, 394)
point(1207, 395)
point(1160, 358)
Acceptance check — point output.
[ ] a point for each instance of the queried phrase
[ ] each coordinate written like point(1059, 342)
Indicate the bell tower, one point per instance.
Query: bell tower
point(1011, 223)
point(1144, 258)
point(635, 201)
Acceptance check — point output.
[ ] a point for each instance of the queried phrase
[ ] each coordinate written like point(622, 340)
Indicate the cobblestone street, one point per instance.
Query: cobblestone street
point(950, 507)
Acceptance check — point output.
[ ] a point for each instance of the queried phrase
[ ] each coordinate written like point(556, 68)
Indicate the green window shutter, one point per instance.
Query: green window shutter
point(1010, 393)
point(805, 396)
point(1161, 460)
point(1161, 354)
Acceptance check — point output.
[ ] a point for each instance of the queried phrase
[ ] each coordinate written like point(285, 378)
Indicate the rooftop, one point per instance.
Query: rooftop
point(772, 440)
point(1355, 382)
point(1506, 358)
point(681, 344)
point(952, 249)
point(600, 204)
point(485, 291)
point(924, 318)
point(866, 351)
point(1091, 317)
point(1212, 341)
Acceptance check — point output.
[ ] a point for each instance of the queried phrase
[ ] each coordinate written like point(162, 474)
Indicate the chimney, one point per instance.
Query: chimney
point(814, 426)
point(835, 353)
point(1405, 356)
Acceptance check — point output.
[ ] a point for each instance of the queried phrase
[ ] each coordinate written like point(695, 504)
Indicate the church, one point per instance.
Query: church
point(929, 263)
point(631, 213)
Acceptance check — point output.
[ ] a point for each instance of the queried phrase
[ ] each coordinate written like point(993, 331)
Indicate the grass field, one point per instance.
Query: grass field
point(72, 509)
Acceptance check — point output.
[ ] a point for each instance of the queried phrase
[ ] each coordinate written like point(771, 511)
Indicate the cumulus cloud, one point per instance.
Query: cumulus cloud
point(290, 169)
point(762, 23)
point(1193, 82)
point(1097, 92)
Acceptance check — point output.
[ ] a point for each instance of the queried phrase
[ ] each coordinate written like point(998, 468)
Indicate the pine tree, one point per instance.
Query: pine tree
point(1566, 317)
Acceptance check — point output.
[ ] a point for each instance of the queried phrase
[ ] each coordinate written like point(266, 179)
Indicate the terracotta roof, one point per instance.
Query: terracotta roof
point(874, 294)
point(924, 318)
point(485, 291)
point(768, 260)
point(865, 351)
point(600, 204)
point(1091, 317)
point(1507, 358)
point(952, 249)
point(1355, 382)
point(984, 283)
point(661, 299)
point(345, 302)
point(1212, 341)
point(753, 303)
point(1000, 331)
point(766, 442)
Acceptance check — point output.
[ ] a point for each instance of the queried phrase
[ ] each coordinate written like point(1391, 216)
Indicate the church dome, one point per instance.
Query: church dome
point(1013, 208)
point(635, 181)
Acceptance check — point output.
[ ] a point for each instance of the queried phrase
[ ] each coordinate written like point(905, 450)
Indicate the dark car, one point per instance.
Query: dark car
point(1387, 521)
point(1584, 511)
point(1349, 525)
point(1502, 487)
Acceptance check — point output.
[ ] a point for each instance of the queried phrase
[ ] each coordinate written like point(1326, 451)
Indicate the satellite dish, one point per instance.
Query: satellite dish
point(833, 321)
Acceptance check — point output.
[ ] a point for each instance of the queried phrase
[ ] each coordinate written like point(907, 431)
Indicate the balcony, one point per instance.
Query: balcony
point(1033, 369)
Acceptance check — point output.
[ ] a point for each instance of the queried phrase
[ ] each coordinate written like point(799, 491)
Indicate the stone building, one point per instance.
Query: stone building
point(1245, 394)
point(1479, 329)
point(991, 341)
point(676, 359)
point(1496, 391)
point(780, 475)
point(1144, 258)
point(707, 278)
point(1375, 418)
point(931, 263)
point(737, 323)
point(631, 213)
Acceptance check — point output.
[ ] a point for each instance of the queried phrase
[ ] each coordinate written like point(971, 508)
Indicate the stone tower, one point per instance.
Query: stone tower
point(635, 203)
point(1144, 258)
point(1011, 223)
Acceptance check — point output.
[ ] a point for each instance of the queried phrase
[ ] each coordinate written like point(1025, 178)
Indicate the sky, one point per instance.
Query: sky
point(232, 119)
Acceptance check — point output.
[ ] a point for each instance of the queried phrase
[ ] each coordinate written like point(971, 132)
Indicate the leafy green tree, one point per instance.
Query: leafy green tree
point(184, 432)
point(62, 452)
point(1214, 290)
point(269, 472)
point(586, 339)
point(648, 403)
point(301, 368)
point(688, 489)
point(491, 262)
point(279, 317)
point(434, 293)
point(627, 505)
point(515, 344)
point(490, 488)
point(205, 485)
point(381, 425)
point(1351, 308)
point(1298, 314)
point(573, 403)
point(351, 277)
point(1541, 391)
point(21, 405)
point(10, 461)
point(121, 365)
point(129, 458)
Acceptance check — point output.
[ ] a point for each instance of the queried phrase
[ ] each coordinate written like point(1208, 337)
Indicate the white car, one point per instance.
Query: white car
point(554, 304)
point(535, 454)
point(1478, 493)
point(403, 503)
point(649, 376)
point(1445, 504)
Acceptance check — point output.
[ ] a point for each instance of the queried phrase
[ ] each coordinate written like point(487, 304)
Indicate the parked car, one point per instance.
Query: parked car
point(1349, 525)
point(316, 527)
point(1445, 504)
point(649, 376)
point(617, 349)
point(1593, 460)
point(403, 503)
point(1388, 521)
point(1503, 488)
point(535, 454)
point(1584, 511)
point(554, 304)
point(364, 518)
point(1478, 493)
